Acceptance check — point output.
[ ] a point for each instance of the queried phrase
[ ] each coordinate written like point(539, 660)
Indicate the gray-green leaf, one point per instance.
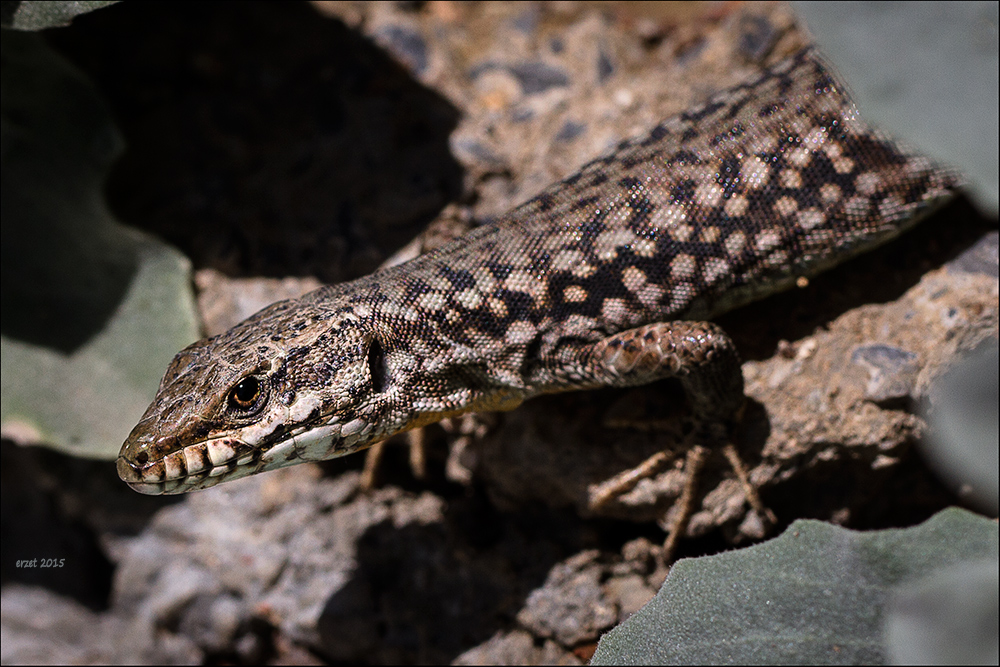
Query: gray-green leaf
point(92, 311)
point(817, 594)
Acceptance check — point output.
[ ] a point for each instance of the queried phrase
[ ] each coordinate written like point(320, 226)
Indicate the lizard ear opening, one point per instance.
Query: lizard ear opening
point(376, 366)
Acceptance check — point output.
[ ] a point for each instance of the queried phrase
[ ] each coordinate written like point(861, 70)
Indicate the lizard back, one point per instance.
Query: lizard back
point(730, 201)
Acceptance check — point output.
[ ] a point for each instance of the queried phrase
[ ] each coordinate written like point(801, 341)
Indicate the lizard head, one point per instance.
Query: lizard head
point(293, 383)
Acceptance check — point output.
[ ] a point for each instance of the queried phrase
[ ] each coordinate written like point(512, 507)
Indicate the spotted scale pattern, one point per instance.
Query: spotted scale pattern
point(602, 279)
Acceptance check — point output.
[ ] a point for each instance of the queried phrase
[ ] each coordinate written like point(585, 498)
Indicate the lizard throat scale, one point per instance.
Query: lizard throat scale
point(604, 279)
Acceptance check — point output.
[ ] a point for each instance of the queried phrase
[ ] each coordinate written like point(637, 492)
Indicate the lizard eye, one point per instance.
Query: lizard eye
point(245, 396)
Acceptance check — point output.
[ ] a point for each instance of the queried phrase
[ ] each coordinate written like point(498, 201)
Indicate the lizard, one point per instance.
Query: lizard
point(609, 277)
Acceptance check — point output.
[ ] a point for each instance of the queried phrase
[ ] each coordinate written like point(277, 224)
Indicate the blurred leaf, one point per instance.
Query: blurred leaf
point(964, 441)
point(92, 311)
point(948, 618)
point(814, 595)
point(38, 15)
point(925, 72)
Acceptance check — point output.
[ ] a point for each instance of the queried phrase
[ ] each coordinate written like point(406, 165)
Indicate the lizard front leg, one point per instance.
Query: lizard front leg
point(699, 354)
point(704, 359)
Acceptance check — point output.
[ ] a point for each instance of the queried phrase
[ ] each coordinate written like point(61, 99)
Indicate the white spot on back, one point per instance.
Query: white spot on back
point(614, 310)
point(810, 218)
point(785, 206)
point(497, 307)
point(736, 206)
point(668, 216)
point(681, 233)
point(431, 300)
point(714, 269)
point(644, 247)
point(767, 240)
point(633, 278)
point(800, 157)
point(683, 266)
point(566, 260)
point(816, 137)
point(469, 298)
point(574, 294)
point(829, 193)
point(843, 165)
point(709, 234)
point(520, 332)
point(867, 183)
point(790, 178)
point(735, 242)
point(708, 194)
point(485, 282)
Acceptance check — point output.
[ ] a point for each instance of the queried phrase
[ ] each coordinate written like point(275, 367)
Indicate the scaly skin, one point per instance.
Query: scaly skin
point(603, 279)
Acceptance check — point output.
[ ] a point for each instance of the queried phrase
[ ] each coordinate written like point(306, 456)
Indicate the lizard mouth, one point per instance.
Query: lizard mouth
point(198, 466)
point(204, 464)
